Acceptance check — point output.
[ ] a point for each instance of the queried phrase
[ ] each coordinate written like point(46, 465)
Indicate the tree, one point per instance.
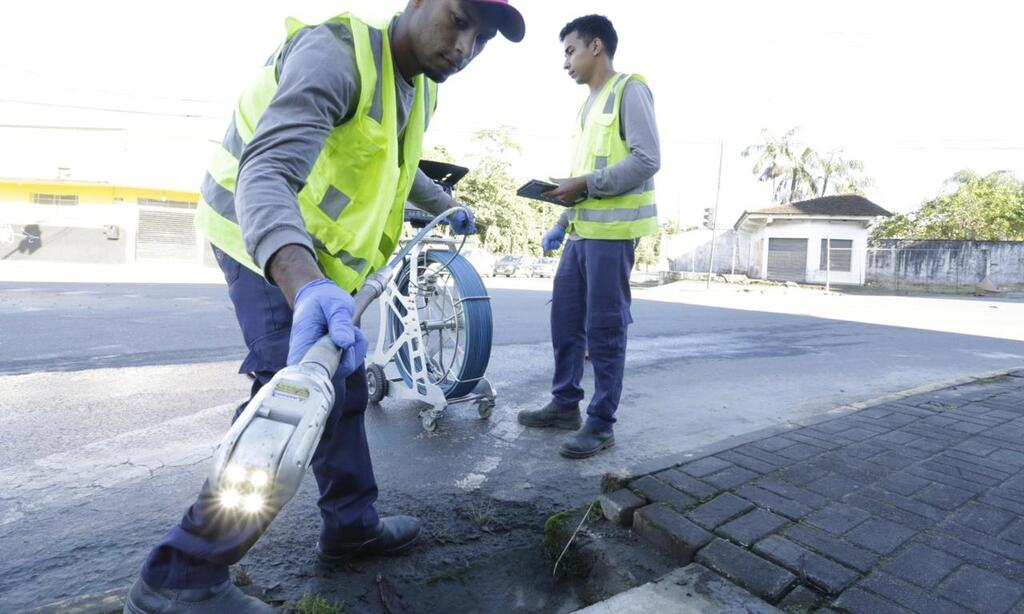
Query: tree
point(648, 250)
point(843, 176)
point(785, 165)
point(974, 208)
point(438, 153)
point(672, 228)
point(507, 223)
point(797, 172)
point(898, 226)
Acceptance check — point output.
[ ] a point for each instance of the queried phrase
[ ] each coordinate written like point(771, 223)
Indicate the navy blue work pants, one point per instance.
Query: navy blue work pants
point(197, 552)
point(590, 309)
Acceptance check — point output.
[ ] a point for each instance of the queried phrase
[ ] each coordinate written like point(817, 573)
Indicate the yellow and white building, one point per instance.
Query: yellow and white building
point(99, 193)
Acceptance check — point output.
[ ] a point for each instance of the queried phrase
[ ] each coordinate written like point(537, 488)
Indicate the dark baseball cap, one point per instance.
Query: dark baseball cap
point(510, 21)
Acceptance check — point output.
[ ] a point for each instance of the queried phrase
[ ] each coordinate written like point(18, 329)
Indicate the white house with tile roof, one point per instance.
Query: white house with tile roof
point(788, 243)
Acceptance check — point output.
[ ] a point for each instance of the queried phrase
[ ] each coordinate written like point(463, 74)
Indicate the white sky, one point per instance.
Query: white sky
point(917, 90)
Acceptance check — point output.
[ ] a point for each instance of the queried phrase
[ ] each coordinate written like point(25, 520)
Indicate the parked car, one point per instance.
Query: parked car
point(511, 266)
point(543, 267)
point(481, 259)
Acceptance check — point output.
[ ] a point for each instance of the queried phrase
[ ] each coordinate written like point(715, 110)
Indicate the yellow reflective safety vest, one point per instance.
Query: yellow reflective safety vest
point(354, 197)
point(599, 144)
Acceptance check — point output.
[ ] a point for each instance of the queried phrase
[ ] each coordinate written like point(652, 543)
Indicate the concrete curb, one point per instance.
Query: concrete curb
point(614, 480)
point(97, 603)
point(693, 589)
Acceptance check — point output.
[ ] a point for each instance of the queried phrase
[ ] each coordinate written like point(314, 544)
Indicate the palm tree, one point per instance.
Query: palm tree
point(845, 176)
point(797, 172)
point(790, 168)
point(768, 166)
point(802, 184)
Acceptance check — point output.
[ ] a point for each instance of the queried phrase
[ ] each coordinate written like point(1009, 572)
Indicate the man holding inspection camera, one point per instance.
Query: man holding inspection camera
point(616, 156)
point(303, 201)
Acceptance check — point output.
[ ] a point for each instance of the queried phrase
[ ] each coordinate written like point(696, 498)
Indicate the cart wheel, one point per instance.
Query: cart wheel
point(485, 407)
point(376, 383)
point(429, 422)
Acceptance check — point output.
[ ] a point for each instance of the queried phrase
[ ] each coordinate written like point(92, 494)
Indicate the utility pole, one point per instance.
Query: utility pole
point(735, 240)
point(711, 214)
point(679, 211)
point(828, 261)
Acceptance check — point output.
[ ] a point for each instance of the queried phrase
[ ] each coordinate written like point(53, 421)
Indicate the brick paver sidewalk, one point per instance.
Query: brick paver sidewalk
point(915, 505)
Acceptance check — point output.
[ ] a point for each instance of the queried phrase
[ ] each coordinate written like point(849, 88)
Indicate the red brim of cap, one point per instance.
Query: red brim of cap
point(511, 24)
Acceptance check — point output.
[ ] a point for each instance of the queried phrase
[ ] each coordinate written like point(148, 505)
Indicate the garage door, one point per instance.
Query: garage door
point(787, 259)
point(166, 234)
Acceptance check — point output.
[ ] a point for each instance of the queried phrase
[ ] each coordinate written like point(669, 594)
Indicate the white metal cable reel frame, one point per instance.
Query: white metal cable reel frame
point(421, 299)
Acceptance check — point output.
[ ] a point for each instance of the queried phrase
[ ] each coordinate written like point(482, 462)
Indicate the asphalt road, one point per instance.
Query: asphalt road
point(72, 327)
point(113, 396)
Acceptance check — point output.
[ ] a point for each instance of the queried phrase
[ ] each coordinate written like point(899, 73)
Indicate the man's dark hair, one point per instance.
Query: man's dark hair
point(590, 27)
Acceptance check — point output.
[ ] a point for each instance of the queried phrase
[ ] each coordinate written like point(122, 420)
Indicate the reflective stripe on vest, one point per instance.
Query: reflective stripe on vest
point(598, 145)
point(354, 197)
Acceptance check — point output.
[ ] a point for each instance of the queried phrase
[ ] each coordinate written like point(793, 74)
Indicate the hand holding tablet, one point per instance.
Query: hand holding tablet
point(537, 189)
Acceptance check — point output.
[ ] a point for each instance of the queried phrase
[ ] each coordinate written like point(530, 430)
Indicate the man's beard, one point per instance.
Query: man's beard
point(436, 76)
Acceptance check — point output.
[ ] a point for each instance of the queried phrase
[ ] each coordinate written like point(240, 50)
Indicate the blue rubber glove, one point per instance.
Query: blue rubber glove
point(463, 222)
point(553, 238)
point(322, 308)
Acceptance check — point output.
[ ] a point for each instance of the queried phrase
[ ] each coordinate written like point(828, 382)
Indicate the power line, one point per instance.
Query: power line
point(666, 141)
point(930, 148)
point(189, 116)
point(114, 92)
point(48, 127)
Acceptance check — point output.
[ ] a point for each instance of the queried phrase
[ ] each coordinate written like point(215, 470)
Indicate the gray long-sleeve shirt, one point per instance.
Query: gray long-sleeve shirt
point(638, 127)
point(318, 90)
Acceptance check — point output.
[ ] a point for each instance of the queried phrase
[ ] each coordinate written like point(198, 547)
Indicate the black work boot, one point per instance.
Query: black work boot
point(586, 442)
point(224, 597)
point(395, 534)
point(552, 415)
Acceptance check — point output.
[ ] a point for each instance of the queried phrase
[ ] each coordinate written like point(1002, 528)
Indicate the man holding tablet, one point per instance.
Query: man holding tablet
point(611, 205)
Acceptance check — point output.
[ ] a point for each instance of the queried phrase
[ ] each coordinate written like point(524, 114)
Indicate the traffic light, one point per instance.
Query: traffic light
point(709, 218)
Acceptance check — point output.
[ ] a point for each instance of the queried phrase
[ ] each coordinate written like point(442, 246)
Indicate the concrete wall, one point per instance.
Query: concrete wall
point(944, 266)
point(103, 234)
point(97, 234)
point(61, 244)
point(690, 251)
point(101, 228)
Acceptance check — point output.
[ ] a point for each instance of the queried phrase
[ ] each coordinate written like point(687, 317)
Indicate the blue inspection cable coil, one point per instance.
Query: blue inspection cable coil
point(477, 329)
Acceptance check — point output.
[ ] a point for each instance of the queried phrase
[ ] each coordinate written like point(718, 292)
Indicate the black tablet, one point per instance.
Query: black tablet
point(535, 189)
point(442, 172)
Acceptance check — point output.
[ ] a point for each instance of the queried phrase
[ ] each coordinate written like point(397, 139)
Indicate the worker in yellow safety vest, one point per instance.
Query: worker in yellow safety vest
point(611, 205)
point(302, 201)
